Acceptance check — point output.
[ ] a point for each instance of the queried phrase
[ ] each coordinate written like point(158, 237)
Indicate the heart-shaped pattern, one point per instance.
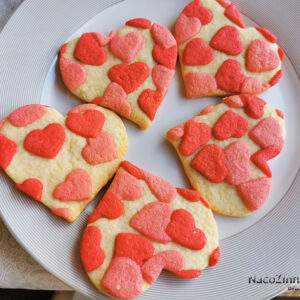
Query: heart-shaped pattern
point(87, 123)
point(232, 166)
point(45, 142)
point(26, 115)
point(77, 166)
point(73, 74)
point(261, 57)
point(182, 230)
point(76, 187)
point(127, 47)
point(210, 163)
point(197, 52)
point(227, 40)
point(129, 76)
point(155, 232)
point(89, 51)
point(195, 135)
point(229, 125)
point(152, 221)
point(237, 162)
point(118, 70)
point(238, 51)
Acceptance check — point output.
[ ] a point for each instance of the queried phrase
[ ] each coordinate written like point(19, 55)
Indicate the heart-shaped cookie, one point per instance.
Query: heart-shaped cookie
point(62, 162)
point(213, 41)
point(128, 72)
point(157, 228)
point(231, 169)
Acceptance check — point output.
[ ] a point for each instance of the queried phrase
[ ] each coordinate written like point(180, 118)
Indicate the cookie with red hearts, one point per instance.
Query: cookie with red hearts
point(62, 162)
point(225, 152)
point(220, 56)
point(144, 225)
point(128, 71)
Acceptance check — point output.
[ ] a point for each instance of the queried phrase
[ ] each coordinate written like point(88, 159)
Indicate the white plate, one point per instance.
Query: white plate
point(263, 244)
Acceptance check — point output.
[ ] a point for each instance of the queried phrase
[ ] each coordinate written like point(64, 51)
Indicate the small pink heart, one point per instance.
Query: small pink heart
point(76, 187)
point(127, 47)
point(186, 28)
point(261, 58)
point(73, 74)
point(100, 149)
point(162, 77)
point(115, 98)
point(162, 36)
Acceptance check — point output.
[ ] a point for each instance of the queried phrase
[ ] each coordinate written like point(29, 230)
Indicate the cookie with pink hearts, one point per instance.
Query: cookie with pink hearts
point(62, 162)
point(128, 71)
point(144, 225)
point(220, 56)
point(225, 152)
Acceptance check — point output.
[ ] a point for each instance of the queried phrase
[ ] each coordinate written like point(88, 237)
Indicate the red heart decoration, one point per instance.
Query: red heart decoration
point(89, 51)
point(254, 106)
point(87, 123)
point(31, 187)
point(227, 40)
point(165, 56)
point(134, 246)
point(129, 76)
point(46, 142)
point(182, 230)
point(149, 102)
point(234, 15)
point(229, 125)
point(254, 193)
point(92, 256)
point(8, 149)
point(152, 220)
point(261, 57)
point(210, 163)
point(229, 76)
point(261, 157)
point(197, 52)
point(76, 187)
point(110, 207)
point(195, 135)
point(195, 9)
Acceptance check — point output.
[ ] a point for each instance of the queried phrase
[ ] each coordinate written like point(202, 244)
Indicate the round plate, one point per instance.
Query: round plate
point(263, 244)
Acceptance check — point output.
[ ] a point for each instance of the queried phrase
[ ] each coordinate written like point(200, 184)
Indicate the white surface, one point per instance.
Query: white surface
point(257, 250)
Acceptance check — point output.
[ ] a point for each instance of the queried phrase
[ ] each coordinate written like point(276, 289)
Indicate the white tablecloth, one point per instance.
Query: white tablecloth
point(17, 268)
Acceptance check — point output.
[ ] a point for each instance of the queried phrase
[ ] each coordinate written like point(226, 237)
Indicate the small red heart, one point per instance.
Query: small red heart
point(134, 246)
point(152, 221)
point(149, 102)
point(182, 230)
point(254, 193)
point(227, 40)
point(229, 125)
point(234, 15)
point(92, 256)
point(230, 77)
point(165, 56)
point(110, 207)
point(210, 163)
point(8, 149)
point(195, 135)
point(254, 106)
point(261, 157)
point(196, 9)
point(139, 23)
point(261, 57)
point(31, 187)
point(87, 123)
point(45, 142)
point(129, 76)
point(197, 52)
point(89, 51)
point(76, 187)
